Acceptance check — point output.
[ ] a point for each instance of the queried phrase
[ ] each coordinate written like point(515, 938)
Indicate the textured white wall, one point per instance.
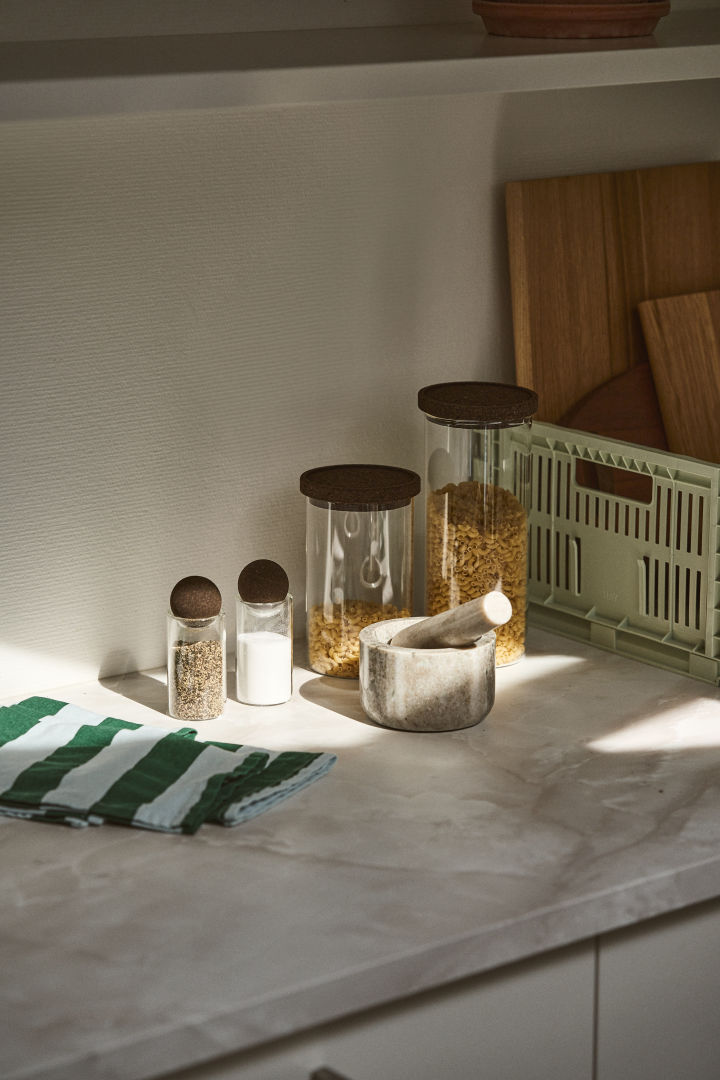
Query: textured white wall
point(58, 19)
point(195, 307)
point(32, 20)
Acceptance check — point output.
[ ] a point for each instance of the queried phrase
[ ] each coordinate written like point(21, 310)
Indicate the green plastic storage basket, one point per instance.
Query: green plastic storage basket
point(624, 549)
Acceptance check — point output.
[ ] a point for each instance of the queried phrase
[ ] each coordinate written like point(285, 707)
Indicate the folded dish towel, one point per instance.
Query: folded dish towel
point(64, 764)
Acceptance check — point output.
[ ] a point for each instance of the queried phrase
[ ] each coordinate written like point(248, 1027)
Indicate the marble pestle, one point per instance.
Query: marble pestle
point(458, 627)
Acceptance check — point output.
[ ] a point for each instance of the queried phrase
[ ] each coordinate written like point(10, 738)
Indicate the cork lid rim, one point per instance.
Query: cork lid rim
point(482, 402)
point(360, 485)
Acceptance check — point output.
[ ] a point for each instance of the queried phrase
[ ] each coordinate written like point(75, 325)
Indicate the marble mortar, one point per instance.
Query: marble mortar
point(424, 689)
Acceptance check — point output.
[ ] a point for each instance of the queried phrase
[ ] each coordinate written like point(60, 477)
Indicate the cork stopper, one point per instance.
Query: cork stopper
point(195, 598)
point(263, 582)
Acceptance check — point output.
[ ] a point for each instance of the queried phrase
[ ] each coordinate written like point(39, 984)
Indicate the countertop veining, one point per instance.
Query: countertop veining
point(589, 799)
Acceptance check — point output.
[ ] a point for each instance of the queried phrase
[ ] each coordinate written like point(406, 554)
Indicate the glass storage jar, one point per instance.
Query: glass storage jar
point(359, 557)
point(196, 651)
point(477, 462)
point(264, 634)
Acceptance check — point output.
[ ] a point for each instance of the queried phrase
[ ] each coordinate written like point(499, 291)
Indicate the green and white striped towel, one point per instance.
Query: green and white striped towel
point(65, 764)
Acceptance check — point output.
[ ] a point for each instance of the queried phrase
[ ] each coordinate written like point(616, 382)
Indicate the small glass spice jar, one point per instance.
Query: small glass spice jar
point(359, 557)
point(264, 653)
point(477, 462)
point(196, 662)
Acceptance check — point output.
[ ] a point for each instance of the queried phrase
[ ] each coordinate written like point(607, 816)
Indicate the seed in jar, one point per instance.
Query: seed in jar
point(196, 675)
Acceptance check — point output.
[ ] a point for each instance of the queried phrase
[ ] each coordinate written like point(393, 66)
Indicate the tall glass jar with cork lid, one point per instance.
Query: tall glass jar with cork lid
point(359, 557)
point(477, 462)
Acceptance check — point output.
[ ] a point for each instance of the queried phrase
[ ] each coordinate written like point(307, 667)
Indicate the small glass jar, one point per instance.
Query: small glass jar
point(359, 557)
point(264, 632)
point(196, 651)
point(477, 462)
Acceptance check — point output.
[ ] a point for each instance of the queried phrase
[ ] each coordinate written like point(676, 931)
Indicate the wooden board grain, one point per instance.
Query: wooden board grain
point(683, 341)
point(584, 251)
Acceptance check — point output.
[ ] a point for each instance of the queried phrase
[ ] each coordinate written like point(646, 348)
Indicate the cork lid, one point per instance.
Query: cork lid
point(360, 487)
point(478, 402)
point(263, 582)
point(195, 597)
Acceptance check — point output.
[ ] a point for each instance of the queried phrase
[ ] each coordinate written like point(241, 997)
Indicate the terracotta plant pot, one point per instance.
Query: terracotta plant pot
point(578, 19)
point(574, 3)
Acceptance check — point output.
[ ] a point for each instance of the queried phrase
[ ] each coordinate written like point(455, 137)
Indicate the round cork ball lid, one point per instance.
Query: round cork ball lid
point(478, 402)
point(263, 582)
point(195, 597)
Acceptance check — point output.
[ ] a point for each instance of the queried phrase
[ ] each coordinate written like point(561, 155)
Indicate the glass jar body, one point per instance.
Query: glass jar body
point(264, 654)
point(359, 564)
point(477, 484)
point(196, 667)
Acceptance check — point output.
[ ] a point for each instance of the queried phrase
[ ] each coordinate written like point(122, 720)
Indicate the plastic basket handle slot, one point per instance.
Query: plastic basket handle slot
point(611, 480)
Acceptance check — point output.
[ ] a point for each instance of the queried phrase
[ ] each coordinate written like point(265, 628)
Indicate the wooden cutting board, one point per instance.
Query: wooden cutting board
point(584, 251)
point(683, 341)
point(625, 408)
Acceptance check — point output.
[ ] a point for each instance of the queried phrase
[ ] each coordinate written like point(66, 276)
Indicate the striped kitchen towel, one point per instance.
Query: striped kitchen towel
point(64, 764)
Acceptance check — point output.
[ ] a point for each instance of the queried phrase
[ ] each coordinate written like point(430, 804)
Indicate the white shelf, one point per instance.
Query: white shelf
point(134, 75)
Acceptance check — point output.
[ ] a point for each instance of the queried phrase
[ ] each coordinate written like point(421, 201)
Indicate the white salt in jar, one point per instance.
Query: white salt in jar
point(264, 634)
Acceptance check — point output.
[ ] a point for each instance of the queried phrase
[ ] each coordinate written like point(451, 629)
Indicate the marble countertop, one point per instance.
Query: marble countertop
point(588, 800)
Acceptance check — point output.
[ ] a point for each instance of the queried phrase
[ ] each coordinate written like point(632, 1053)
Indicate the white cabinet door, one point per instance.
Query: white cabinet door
point(529, 1021)
point(659, 999)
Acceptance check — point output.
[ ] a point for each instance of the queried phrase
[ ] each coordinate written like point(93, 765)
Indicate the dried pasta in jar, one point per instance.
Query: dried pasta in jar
point(359, 557)
point(477, 541)
point(477, 458)
point(333, 634)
